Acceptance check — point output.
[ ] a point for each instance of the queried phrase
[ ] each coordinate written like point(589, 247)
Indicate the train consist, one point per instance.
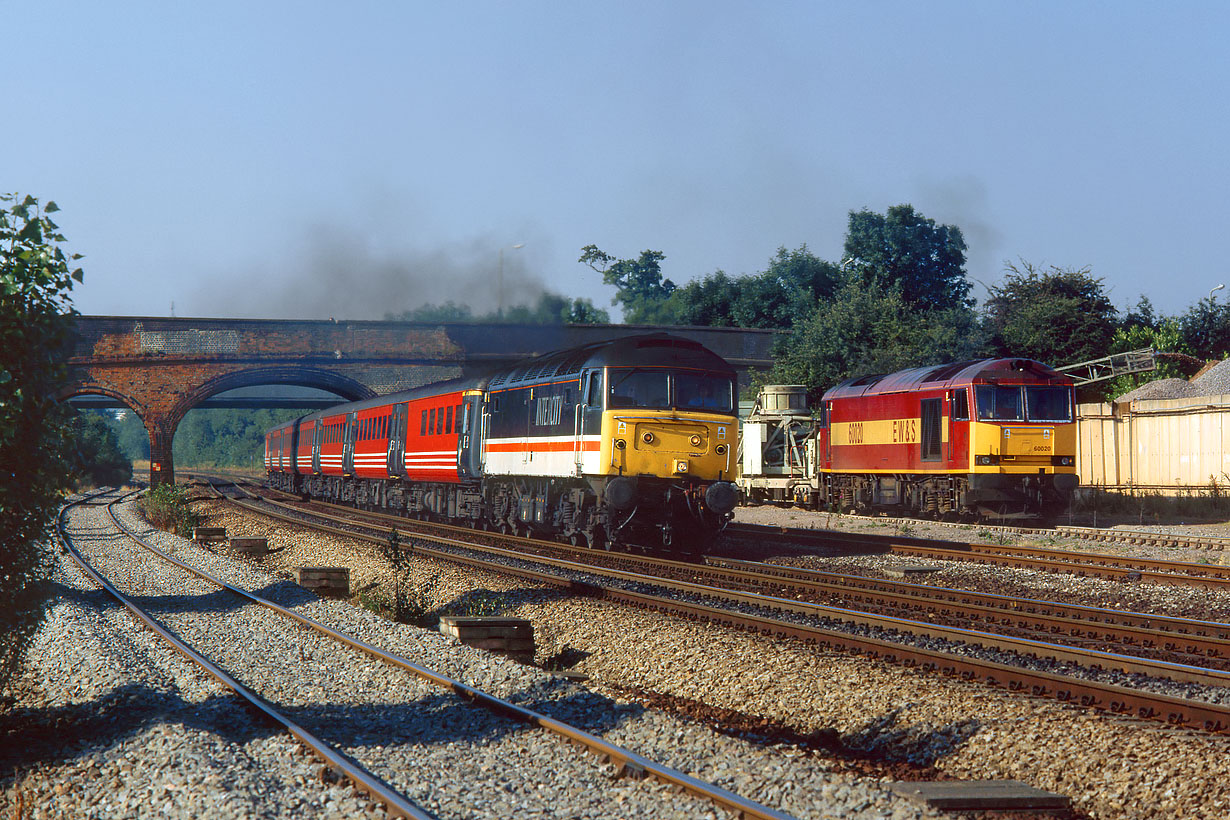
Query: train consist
point(993, 438)
point(631, 442)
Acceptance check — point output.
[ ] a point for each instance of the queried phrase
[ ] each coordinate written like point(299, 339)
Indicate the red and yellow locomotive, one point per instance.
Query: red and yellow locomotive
point(993, 437)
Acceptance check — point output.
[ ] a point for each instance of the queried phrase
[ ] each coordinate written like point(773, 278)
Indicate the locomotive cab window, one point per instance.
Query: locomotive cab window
point(959, 403)
point(702, 391)
point(662, 389)
point(996, 403)
point(1048, 404)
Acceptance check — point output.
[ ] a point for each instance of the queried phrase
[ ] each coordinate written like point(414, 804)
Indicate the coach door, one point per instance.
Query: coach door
point(318, 435)
point(397, 440)
point(349, 435)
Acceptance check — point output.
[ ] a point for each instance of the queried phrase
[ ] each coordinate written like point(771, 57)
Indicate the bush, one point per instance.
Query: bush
point(35, 446)
point(166, 507)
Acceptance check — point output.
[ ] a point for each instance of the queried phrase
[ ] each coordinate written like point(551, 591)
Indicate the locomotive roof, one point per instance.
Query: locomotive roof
point(644, 350)
point(955, 374)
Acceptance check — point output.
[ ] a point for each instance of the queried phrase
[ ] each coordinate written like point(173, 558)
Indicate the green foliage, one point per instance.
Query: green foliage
point(1205, 329)
point(778, 297)
point(639, 286)
point(867, 329)
point(99, 461)
point(224, 437)
point(1164, 337)
point(905, 250)
point(35, 440)
point(166, 507)
point(1058, 316)
point(131, 435)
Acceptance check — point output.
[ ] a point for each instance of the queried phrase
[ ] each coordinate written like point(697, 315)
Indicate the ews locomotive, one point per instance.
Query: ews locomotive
point(629, 442)
point(994, 438)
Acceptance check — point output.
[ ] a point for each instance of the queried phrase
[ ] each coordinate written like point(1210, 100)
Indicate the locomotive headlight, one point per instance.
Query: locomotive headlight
point(720, 449)
point(695, 441)
point(647, 437)
point(985, 460)
point(619, 444)
point(681, 466)
point(1065, 461)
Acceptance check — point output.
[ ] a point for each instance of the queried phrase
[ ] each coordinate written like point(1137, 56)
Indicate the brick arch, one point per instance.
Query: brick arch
point(129, 401)
point(348, 388)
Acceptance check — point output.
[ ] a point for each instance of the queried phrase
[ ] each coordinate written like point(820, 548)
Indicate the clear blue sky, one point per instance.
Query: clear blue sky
point(305, 159)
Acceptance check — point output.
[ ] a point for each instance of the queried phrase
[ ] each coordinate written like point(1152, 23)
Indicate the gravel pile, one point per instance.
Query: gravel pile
point(1212, 382)
point(152, 736)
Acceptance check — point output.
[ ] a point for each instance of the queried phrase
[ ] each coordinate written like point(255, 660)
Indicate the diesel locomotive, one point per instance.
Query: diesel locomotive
point(629, 443)
point(991, 438)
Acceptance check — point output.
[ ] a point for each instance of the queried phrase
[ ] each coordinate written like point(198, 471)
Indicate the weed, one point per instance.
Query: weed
point(166, 507)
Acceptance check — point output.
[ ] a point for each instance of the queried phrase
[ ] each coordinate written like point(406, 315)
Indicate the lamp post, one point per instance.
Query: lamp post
point(500, 285)
point(1214, 290)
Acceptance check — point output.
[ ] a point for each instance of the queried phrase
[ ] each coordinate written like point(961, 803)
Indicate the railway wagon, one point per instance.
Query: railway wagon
point(995, 438)
point(626, 442)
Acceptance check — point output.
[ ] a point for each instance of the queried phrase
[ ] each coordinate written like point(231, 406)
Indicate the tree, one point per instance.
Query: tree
point(1205, 329)
point(639, 286)
point(904, 249)
point(99, 461)
point(867, 329)
point(1058, 316)
point(1164, 336)
point(35, 439)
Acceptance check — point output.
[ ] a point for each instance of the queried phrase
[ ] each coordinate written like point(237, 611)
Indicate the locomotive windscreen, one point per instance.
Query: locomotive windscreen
point(661, 389)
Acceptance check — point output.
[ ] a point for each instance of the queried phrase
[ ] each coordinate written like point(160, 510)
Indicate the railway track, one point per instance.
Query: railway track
point(781, 616)
point(1073, 562)
point(389, 786)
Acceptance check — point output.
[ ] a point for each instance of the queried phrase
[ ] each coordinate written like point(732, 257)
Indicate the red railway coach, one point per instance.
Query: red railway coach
point(994, 437)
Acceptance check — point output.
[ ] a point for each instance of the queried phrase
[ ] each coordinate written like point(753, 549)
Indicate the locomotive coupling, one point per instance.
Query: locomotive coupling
point(721, 497)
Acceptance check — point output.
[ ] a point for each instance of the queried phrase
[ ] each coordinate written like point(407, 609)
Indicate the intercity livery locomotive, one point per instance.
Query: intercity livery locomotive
point(630, 442)
point(993, 438)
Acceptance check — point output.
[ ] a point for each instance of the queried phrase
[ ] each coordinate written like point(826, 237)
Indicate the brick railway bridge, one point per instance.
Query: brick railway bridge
point(160, 368)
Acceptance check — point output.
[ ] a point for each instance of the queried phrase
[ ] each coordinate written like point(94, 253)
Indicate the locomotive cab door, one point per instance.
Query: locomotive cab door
point(397, 440)
point(588, 418)
point(349, 436)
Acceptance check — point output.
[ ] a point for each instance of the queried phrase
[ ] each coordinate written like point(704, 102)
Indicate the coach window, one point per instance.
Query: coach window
point(431, 423)
point(959, 402)
point(448, 420)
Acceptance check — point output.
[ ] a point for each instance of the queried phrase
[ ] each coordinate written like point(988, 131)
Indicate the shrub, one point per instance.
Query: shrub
point(166, 507)
point(35, 339)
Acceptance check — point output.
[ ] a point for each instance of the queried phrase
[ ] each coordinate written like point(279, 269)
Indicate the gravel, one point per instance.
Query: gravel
point(1110, 767)
point(1215, 381)
point(151, 736)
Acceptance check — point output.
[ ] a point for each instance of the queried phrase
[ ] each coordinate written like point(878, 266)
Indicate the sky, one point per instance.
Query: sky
point(356, 160)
